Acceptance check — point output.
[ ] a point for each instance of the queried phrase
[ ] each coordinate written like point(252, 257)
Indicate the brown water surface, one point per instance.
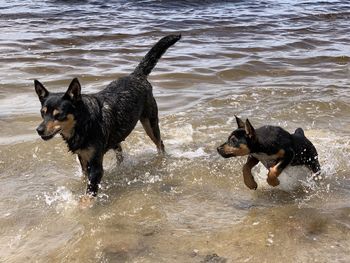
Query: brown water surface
point(276, 62)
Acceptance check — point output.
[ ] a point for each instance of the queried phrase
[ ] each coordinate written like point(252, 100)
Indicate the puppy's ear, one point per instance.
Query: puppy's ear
point(249, 129)
point(240, 123)
point(74, 91)
point(40, 90)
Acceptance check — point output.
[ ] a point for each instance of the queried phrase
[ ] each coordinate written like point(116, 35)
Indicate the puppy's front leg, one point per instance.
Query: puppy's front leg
point(286, 157)
point(247, 172)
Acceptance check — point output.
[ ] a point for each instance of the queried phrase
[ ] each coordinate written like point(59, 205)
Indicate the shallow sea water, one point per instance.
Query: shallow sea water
point(275, 62)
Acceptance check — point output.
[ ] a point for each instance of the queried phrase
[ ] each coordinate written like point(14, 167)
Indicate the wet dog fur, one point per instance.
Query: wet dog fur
point(273, 146)
point(92, 124)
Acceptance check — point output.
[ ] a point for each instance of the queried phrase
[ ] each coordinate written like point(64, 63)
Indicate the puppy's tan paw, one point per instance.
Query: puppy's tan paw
point(273, 181)
point(273, 172)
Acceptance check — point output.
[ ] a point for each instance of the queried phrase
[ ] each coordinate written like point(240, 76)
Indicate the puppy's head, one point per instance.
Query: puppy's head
point(240, 140)
point(57, 110)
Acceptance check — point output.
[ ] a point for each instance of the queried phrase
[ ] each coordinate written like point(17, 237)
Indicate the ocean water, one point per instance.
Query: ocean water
point(275, 62)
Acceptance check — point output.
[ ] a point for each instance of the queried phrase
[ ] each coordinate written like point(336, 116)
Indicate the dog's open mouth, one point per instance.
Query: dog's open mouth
point(50, 136)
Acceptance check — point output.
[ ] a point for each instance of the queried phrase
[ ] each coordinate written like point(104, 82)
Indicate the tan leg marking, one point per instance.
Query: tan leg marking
point(274, 171)
point(85, 156)
point(148, 128)
point(273, 174)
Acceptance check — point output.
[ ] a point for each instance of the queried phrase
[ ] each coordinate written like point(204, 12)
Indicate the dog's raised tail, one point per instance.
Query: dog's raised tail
point(150, 60)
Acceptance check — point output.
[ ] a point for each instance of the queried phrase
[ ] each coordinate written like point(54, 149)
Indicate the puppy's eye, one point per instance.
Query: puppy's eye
point(233, 139)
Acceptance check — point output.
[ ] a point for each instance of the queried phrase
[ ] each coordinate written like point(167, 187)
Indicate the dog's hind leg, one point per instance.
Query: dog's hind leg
point(149, 120)
point(152, 129)
point(119, 153)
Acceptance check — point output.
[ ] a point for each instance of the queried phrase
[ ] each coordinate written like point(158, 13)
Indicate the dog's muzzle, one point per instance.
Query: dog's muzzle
point(41, 130)
point(222, 152)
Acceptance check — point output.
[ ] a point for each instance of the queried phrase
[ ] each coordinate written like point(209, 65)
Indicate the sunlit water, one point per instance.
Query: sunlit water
point(275, 62)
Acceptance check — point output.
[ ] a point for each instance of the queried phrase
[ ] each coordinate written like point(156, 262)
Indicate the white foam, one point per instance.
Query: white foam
point(146, 178)
point(190, 154)
point(292, 177)
point(62, 197)
point(180, 135)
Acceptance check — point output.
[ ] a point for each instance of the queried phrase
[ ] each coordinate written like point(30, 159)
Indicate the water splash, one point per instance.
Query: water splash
point(183, 134)
point(189, 154)
point(62, 199)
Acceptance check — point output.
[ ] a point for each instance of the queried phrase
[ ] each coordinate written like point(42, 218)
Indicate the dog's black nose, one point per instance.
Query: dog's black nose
point(40, 130)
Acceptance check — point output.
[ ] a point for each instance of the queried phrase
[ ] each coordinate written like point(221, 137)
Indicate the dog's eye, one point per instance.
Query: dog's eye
point(43, 111)
point(233, 139)
point(59, 117)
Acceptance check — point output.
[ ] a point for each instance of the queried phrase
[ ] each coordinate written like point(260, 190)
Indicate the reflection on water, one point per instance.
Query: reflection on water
point(282, 63)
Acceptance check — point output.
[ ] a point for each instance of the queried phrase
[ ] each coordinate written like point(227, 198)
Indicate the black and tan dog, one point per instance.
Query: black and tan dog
point(274, 147)
point(95, 123)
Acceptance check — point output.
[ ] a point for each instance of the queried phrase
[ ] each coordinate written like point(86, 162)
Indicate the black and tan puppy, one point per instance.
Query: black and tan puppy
point(274, 147)
point(95, 123)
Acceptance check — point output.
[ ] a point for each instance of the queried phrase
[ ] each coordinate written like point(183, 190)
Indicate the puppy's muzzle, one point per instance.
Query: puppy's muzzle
point(222, 152)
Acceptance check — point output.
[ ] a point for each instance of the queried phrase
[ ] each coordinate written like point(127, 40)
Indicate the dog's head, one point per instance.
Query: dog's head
point(240, 140)
point(57, 110)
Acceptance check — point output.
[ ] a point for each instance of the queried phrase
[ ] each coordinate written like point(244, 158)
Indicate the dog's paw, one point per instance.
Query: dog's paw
point(249, 178)
point(272, 180)
point(251, 184)
point(273, 172)
point(86, 201)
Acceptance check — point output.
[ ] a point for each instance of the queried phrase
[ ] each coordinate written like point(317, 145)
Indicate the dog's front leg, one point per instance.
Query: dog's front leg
point(83, 164)
point(274, 171)
point(247, 172)
point(95, 173)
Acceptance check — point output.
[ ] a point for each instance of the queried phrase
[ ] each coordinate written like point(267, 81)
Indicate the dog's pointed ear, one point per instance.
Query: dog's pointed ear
point(40, 90)
point(249, 129)
point(240, 123)
point(74, 91)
